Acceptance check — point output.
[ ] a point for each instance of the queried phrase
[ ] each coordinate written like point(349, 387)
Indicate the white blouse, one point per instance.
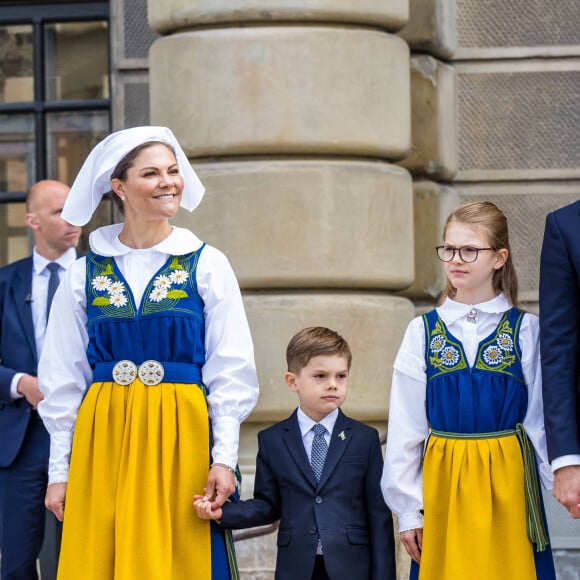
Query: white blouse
point(401, 482)
point(229, 371)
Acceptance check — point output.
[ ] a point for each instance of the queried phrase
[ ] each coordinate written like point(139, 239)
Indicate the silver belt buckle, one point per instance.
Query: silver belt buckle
point(151, 372)
point(124, 372)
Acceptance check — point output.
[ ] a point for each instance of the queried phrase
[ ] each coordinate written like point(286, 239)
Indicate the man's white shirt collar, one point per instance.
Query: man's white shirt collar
point(64, 261)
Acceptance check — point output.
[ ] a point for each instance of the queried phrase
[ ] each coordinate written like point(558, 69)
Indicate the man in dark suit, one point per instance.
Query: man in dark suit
point(560, 350)
point(319, 473)
point(24, 443)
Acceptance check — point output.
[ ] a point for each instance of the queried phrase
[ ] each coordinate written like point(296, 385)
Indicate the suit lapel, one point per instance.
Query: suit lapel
point(339, 441)
point(295, 445)
point(21, 290)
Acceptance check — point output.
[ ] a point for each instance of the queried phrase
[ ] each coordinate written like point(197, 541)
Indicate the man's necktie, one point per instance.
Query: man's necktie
point(53, 282)
point(319, 450)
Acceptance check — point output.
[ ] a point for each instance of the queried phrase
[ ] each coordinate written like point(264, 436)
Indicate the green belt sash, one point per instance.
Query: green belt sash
point(535, 525)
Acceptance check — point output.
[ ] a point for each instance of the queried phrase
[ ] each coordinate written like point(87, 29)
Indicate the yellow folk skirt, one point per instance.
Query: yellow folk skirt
point(139, 455)
point(475, 511)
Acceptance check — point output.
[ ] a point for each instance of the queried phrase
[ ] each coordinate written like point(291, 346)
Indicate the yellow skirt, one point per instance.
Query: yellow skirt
point(475, 511)
point(139, 455)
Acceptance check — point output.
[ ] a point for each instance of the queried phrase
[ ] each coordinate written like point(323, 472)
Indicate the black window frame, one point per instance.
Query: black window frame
point(38, 14)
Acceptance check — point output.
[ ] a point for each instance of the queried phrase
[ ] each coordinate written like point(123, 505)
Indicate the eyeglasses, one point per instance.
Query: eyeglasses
point(467, 254)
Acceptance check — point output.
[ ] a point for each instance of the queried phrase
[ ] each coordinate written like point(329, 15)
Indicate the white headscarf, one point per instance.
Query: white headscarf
point(94, 177)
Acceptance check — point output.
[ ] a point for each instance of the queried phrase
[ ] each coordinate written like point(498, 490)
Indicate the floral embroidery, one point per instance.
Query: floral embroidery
point(108, 291)
point(170, 283)
point(498, 353)
point(449, 356)
point(444, 353)
point(116, 288)
point(158, 294)
point(162, 281)
point(118, 300)
point(437, 343)
point(179, 276)
point(492, 355)
point(505, 342)
point(101, 283)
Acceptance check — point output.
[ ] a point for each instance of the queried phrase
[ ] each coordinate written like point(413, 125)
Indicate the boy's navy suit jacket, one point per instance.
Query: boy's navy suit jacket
point(346, 507)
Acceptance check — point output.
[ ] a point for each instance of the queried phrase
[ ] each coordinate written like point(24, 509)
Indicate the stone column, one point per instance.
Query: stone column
point(293, 116)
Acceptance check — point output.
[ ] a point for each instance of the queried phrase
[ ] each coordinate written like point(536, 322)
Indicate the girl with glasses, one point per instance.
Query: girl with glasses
point(466, 437)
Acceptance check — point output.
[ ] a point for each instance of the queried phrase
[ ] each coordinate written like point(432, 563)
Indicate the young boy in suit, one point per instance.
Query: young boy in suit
point(323, 487)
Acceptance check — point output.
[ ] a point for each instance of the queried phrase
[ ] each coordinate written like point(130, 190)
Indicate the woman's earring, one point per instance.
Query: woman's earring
point(123, 198)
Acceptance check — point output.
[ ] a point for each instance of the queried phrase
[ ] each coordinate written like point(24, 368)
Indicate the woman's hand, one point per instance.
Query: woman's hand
point(413, 542)
point(55, 494)
point(221, 483)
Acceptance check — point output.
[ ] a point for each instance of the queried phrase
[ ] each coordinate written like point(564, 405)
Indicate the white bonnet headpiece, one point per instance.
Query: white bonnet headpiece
point(94, 177)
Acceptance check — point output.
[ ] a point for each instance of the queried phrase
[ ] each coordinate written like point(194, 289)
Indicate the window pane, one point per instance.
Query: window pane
point(16, 71)
point(77, 61)
point(16, 152)
point(15, 242)
point(70, 137)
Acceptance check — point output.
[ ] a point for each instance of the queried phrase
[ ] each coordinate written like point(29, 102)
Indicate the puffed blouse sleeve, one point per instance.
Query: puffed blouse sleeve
point(229, 372)
point(402, 480)
point(64, 373)
point(534, 419)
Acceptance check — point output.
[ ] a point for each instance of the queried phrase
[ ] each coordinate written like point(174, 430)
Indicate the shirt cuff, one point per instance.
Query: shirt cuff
point(58, 464)
point(14, 386)
point(410, 521)
point(546, 476)
point(565, 461)
point(226, 439)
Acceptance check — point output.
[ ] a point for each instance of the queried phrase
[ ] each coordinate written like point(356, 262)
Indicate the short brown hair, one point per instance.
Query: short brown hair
point(315, 341)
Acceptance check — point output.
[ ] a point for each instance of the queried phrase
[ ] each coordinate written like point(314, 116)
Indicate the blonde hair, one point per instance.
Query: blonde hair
point(487, 217)
point(315, 341)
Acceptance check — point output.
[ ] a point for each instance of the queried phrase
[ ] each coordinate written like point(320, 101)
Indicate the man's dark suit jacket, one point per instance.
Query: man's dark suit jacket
point(560, 330)
point(17, 354)
point(346, 507)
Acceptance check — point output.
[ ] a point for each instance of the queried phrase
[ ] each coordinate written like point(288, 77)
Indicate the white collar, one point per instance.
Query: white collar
point(64, 260)
point(452, 311)
point(306, 423)
point(105, 242)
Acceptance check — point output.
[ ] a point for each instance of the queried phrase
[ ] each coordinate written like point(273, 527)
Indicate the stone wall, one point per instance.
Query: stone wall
point(494, 112)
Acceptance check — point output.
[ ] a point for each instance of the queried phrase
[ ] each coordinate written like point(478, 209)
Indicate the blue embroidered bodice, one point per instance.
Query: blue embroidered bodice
point(488, 397)
point(168, 326)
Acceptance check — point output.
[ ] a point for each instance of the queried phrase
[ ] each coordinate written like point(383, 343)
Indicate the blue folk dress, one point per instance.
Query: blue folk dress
point(483, 512)
point(141, 446)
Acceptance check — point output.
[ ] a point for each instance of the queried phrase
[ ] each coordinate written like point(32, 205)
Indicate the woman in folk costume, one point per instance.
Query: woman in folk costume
point(466, 436)
point(149, 361)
